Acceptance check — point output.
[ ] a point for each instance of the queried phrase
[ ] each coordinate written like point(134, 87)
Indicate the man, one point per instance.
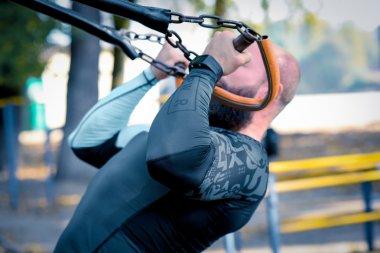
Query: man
point(180, 185)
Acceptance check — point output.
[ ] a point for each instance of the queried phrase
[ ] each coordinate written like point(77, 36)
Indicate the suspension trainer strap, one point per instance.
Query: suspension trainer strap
point(152, 17)
point(73, 18)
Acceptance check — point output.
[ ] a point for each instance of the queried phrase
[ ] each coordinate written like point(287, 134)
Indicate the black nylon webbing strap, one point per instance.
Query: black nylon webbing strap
point(155, 18)
point(71, 17)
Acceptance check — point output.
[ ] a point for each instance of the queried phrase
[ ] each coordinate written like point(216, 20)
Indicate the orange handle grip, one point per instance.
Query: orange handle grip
point(273, 76)
point(273, 66)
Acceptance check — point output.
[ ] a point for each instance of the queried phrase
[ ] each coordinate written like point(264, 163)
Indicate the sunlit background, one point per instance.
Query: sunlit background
point(343, 35)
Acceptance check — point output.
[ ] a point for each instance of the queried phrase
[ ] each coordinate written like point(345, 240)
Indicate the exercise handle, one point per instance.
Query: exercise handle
point(272, 71)
point(273, 77)
point(244, 40)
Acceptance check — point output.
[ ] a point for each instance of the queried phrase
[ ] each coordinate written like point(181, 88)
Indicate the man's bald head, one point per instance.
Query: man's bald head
point(250, 81)
point(289, 75)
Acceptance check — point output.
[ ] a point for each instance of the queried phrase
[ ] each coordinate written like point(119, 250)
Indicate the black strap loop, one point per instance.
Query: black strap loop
point(155, 18)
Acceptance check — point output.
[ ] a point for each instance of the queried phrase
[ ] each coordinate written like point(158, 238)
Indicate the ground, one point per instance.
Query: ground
point(35, 225)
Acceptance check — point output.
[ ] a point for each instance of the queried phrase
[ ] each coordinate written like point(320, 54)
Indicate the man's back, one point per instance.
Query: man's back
point(192, 222)
point(155, 219)
point(175, 223)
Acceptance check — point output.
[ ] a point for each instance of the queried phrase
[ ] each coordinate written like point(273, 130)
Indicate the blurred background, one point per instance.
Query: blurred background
point(52, 73)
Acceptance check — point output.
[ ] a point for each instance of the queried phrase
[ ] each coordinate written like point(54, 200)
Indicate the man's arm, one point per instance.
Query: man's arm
point(103, 131)
point(179, 143)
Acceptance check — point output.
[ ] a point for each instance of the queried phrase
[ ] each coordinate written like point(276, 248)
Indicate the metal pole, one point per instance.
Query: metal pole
point(230, 243)
point(49, 163)
point(368, 226)
point(273, 216)
point(11, 151)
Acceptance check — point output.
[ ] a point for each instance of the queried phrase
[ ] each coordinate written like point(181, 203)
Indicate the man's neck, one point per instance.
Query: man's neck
point(258, 126)
point(256, 132)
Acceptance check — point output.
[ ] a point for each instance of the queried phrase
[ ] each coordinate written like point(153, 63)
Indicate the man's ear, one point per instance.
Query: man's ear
point(263, 90)
point(280, 89)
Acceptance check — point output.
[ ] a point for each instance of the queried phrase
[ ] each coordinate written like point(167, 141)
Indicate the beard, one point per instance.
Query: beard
point(226, 117)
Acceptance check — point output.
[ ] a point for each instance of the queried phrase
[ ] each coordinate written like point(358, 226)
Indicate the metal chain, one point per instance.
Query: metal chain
point(176, 71)
point(177, 43)
point(207, 21)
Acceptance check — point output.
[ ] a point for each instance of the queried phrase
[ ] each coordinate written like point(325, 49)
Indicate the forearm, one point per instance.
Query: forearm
point(111, 114)
point(179, 139)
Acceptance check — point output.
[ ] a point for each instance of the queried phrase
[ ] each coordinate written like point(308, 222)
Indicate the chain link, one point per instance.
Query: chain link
point(134, 36)
point(208, 21)
point(177, 43)
point(212, 22)
point(176, 71)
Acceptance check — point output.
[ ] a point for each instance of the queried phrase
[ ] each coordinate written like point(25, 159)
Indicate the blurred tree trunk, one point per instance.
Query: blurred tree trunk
point(378, 43)
point(221, 7)
point(82, 93)
point(265, 7)
point(119, 56)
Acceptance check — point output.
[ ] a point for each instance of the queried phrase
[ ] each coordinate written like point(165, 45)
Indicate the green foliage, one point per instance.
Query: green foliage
point(324, 70)
point(22, 40)
point(199, 4)
point(332, 60)
point(217, 7)
point(265, 5)
point(342, 59)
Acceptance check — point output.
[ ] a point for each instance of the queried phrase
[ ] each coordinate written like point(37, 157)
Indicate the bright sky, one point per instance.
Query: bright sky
point(363, 13)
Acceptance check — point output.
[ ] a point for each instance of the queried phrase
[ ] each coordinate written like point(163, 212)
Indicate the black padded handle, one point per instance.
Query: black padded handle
point(244, 40)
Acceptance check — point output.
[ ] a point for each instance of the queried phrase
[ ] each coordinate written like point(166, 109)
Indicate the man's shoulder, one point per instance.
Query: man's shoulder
point(239, 169)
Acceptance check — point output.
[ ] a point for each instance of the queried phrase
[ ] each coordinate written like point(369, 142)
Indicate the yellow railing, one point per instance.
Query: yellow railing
point(333, 171)
point(323, 221)
point(327, 181)
point(343, 161)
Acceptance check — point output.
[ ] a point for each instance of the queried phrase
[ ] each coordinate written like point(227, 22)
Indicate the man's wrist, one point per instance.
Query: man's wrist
point(149, 76)
point(158, 74)
point(207, 62)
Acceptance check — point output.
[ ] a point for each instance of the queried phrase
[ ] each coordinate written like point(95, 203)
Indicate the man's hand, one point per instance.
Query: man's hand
point(222, 49)
point(170, 56)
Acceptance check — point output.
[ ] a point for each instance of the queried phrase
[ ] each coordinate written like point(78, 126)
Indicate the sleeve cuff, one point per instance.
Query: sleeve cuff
point(205, 73)
point(149, 76)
